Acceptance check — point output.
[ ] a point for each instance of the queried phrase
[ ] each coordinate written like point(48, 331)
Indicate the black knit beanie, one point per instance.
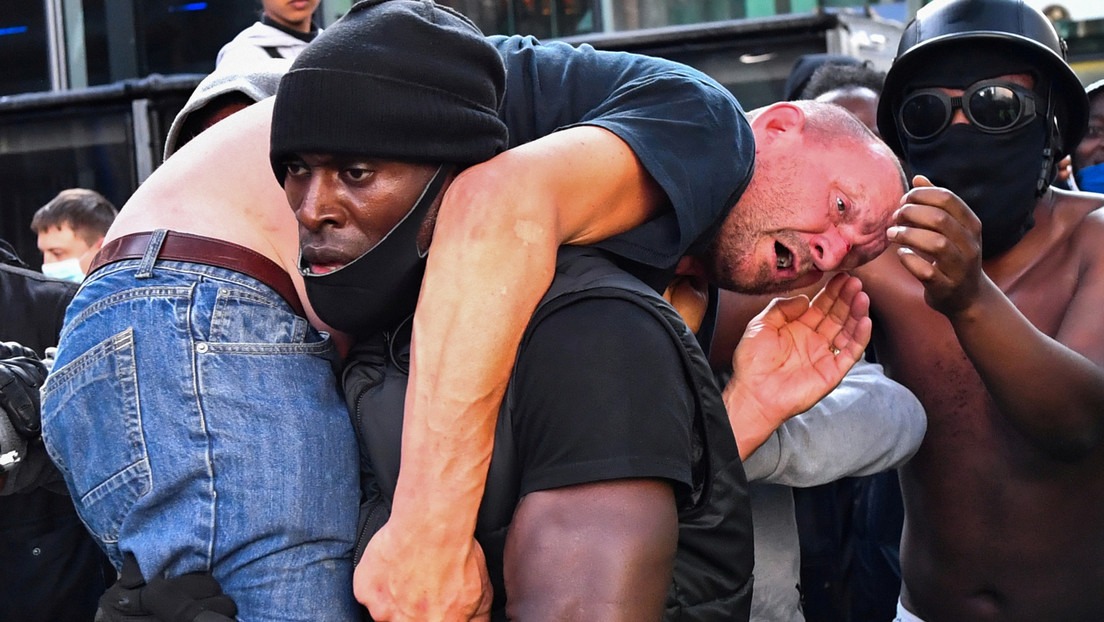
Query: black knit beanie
point(405, 80)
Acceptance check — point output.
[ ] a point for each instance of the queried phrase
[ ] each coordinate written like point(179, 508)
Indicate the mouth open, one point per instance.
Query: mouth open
point(322, 268)
point(784, 258)
point(315, 261)
point(791, 271)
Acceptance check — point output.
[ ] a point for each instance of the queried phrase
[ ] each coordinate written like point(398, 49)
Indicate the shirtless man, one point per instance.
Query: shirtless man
point(988, 309)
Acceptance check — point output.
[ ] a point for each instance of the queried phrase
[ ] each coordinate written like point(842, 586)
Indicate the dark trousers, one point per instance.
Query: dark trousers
point(850, 532)
point(50, 568)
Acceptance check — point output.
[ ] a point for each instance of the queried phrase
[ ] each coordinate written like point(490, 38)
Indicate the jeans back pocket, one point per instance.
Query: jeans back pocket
point(92, 429)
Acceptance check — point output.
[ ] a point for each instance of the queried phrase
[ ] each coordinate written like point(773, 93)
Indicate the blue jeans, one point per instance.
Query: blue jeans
point(198, 424)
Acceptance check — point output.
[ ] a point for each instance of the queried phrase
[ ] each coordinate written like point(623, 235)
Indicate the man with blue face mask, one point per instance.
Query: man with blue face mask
point(1088, 157)
point(71, 228)
point(987, 308)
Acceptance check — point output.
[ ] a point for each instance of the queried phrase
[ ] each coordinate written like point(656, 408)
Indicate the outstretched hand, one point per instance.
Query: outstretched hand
point(404, 580)
point(792, 354)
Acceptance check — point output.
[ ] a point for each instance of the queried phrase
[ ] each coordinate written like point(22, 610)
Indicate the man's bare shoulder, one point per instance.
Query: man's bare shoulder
point(1085, 214)
point(1079, 204)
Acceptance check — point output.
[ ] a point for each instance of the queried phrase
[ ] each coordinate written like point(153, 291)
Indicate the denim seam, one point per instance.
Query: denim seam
point(197, 391)
point(251, 296)
point(192, 270)
point(316, 348)
point(88, 358)
point(125, 296)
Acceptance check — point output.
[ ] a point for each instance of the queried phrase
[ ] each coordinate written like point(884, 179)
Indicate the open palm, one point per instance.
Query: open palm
point(795, 352)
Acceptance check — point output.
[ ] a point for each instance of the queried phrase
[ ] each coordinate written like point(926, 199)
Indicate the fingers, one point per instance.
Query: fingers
point(848, 337)
point(924, 192)
point(782, 311)
point(939, 237)
point(835, 304)
point(840, 315)
point(928, 214)
point(854, 342)
point(12, 349)
point(923, 268)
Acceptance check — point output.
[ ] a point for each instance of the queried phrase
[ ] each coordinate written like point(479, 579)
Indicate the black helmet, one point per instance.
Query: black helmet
point(1005, 22)
point(1094, 89)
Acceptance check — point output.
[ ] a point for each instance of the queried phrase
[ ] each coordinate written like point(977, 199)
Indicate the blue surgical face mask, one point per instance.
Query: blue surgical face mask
point(66, 270)
point(1091, 178)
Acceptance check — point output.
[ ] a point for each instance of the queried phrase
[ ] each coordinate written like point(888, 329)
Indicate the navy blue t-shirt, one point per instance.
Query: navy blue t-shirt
point(688, 131)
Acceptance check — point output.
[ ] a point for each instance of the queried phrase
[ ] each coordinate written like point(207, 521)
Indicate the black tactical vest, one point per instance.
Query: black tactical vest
point(712, 573)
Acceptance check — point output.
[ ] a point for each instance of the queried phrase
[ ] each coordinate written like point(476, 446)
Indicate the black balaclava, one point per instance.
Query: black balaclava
point(997, 175)
point(398, 80)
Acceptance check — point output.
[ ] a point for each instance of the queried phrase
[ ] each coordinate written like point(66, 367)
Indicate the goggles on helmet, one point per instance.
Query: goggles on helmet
point(993, 106)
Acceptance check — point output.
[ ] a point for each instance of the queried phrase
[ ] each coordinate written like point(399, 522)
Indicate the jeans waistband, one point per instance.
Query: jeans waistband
point(176, 246)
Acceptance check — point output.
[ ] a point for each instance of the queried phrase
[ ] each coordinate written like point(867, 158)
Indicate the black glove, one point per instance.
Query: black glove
point(11, 349)
point(21, 376)
point(194, 597)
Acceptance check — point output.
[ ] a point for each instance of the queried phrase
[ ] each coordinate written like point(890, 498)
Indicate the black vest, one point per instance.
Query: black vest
point(712, 574)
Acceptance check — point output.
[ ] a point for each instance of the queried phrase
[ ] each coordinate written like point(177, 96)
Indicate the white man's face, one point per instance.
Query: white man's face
point(61, 243)
point(807, 212)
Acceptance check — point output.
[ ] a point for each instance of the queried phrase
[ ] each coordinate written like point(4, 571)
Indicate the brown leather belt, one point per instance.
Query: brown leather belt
point(207, 251)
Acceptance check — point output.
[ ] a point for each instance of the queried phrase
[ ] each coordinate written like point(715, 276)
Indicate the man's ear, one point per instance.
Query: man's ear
point(429, 224)
point(87, 256)
point(688, 292)
point(778, 120)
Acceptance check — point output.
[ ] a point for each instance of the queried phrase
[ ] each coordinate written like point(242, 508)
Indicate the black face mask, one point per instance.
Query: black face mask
point(995, 174)
point(380, 288)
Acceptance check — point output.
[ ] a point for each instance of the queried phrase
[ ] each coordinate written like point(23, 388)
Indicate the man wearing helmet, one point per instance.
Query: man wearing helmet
point(988, 309)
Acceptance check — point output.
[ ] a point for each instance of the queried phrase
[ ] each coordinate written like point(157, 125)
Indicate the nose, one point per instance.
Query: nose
point(957, 105)
point(317, 206)
point(829, 250)
point(957, 116)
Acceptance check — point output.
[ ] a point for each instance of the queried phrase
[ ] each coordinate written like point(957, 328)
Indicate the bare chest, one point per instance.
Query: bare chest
point(919, 348)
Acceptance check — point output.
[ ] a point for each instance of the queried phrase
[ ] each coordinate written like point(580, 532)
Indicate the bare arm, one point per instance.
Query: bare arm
point(494, 252)
point(1052, 393)
point(1051, 389)
point(493, 256)
point(601, 551)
